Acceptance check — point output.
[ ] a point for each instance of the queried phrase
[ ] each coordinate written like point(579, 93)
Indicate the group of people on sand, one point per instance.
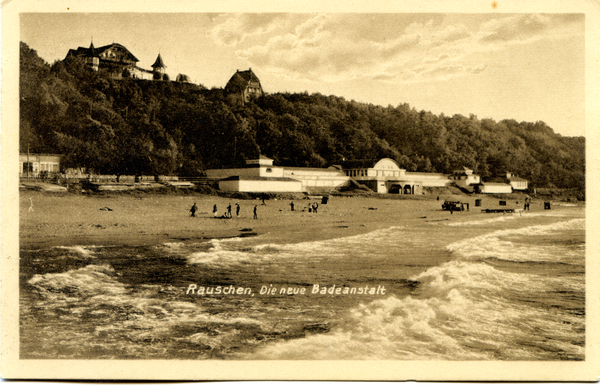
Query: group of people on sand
point(227, 214)
point(310, 208)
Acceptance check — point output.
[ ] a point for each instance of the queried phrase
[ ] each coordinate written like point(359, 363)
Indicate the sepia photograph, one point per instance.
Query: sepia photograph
point(299, 193)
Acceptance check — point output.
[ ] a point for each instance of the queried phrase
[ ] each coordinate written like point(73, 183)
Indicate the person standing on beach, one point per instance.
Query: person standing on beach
point(193, 210)
point(229, 210)
point(215, 211)
point(237, 209)
point(255, 214)
point(292, 205)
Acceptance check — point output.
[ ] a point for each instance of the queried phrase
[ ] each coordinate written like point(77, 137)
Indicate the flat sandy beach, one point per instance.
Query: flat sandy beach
point(69, 219)
point(412, 282)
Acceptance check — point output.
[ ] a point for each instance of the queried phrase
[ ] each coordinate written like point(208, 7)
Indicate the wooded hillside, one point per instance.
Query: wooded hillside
point(134, 126)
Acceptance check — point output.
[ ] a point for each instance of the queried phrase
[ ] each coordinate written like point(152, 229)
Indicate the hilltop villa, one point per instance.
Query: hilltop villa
point(245, 84)
point(119, 62)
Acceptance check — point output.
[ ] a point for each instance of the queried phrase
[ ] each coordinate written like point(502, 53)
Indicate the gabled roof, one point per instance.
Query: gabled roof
point(249, 76)
point(159, 63)
point(94, 52)
point(240, 80)
point(99, 50)
point(236, 84)
point(80, 51)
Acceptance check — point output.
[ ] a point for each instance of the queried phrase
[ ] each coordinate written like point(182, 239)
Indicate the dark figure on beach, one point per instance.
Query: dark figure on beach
point(237, 209)
point(292, 205)
point(215, 211)
point(462, 207)
point(229, 210)
point(263, 202)
point(193, 210)
point(467, 206)
point(315, 207)
point(255, 214)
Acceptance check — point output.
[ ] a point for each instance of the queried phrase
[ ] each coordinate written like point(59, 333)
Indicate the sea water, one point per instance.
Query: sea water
point(481, 287)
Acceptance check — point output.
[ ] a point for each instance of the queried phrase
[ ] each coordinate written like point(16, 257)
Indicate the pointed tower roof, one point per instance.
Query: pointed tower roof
point(91, 52)
point(159, 63)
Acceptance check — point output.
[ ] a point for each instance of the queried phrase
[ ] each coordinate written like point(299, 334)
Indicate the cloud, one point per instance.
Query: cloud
point(518, 27)
point(525, 27)
point(233, 29)
point(327, 44)
point(386, 47)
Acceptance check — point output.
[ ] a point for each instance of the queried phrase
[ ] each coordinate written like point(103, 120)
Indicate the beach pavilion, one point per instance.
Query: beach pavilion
point(382, 176)
point(385, 176)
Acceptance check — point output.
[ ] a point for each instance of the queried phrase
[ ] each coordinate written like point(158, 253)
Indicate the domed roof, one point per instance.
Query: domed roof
point(183, 78)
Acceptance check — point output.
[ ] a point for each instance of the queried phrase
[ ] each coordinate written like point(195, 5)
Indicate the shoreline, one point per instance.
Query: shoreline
point(69, 220)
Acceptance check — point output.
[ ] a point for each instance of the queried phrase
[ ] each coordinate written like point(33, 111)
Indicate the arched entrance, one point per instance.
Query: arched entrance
point(395, 189)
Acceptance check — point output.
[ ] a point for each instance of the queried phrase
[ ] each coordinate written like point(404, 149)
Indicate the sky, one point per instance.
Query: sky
point(527, 67)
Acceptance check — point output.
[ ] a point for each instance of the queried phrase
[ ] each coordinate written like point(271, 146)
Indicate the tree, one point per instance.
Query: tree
point(134, 126)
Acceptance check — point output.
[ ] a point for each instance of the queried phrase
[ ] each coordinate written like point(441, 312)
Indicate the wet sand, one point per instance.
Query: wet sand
point(147, 219)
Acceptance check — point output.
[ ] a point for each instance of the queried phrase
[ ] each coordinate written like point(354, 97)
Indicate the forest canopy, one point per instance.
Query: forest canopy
point(132, 126)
